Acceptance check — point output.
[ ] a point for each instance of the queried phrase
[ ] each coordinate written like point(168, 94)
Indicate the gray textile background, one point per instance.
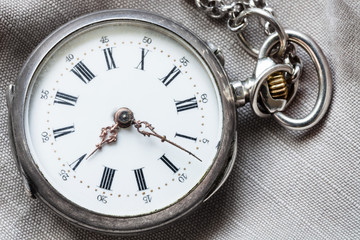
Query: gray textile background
point(285, 184)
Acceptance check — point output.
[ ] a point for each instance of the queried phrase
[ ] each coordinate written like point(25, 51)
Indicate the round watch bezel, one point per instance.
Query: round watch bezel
point(89, 219)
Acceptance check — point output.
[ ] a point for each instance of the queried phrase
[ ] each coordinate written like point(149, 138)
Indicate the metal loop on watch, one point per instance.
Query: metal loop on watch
point(324, 77)
point(260, 80)
point(273, 22)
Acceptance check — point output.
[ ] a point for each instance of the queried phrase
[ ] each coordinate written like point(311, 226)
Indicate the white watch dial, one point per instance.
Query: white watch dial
point(85, 80)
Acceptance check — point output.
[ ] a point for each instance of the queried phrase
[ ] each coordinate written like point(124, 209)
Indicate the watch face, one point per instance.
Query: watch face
point(85, 79)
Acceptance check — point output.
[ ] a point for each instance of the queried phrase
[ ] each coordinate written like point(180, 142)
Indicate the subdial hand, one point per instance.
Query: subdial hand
point(105, 138)
point(139, 124)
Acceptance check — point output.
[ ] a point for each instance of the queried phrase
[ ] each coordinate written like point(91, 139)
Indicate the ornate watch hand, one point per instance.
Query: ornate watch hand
point(113, 130)
point(139, 124)
point(123, 118)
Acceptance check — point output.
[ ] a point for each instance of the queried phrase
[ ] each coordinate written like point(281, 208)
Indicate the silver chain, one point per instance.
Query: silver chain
point(281, 85)
point(276, 75)
point(219, 9)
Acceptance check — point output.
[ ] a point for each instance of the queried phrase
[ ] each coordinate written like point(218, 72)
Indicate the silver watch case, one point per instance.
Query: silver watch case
point(36, 185)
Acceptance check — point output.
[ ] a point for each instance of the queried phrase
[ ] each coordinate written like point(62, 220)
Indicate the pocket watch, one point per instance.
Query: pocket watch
point(123, 121)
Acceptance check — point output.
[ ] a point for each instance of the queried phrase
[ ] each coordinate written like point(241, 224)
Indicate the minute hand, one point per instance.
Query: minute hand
point(140, 124)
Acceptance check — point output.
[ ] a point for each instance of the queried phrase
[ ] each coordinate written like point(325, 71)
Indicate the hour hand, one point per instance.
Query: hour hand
point(123, 118)
point(108, 135)
point(142, 125)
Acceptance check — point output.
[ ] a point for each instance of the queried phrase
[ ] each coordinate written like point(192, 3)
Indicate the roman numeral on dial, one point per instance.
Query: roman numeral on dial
point(186, 104)
point(140, 179)
point(109, 58)
point(77, 162)
point(144, 52)
point(184, 136)
point(168, 163)
point(66, 99)
point(83, 72)
point(63, 131)
point(170, 76)
point(107, 178)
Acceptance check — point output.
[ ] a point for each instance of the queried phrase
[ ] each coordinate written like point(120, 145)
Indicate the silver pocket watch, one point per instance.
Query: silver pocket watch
point(123, 121)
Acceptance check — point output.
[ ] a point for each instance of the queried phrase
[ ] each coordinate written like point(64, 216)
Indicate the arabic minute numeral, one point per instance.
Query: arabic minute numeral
point(204, 98)
point(102, 198)
point(45, 137)
point(184, 61)
point(104, 39)
point(147, 198)
point(182, 178)
point(64, 175)
point(69, 57)
point(205, 140)
point(147, 40)
point(44, 94)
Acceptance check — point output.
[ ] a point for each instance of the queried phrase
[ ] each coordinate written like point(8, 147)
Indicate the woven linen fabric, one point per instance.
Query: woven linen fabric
point(284, 185)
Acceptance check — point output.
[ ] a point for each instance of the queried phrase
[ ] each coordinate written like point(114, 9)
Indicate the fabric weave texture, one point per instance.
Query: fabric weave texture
point(284, 185)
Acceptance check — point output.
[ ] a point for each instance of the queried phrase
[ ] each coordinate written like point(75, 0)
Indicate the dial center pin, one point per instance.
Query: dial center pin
point(124, 117)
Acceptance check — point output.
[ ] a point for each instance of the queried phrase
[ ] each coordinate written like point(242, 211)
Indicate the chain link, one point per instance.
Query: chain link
point(219, 9)
point(276, 76)
point(237, 13)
